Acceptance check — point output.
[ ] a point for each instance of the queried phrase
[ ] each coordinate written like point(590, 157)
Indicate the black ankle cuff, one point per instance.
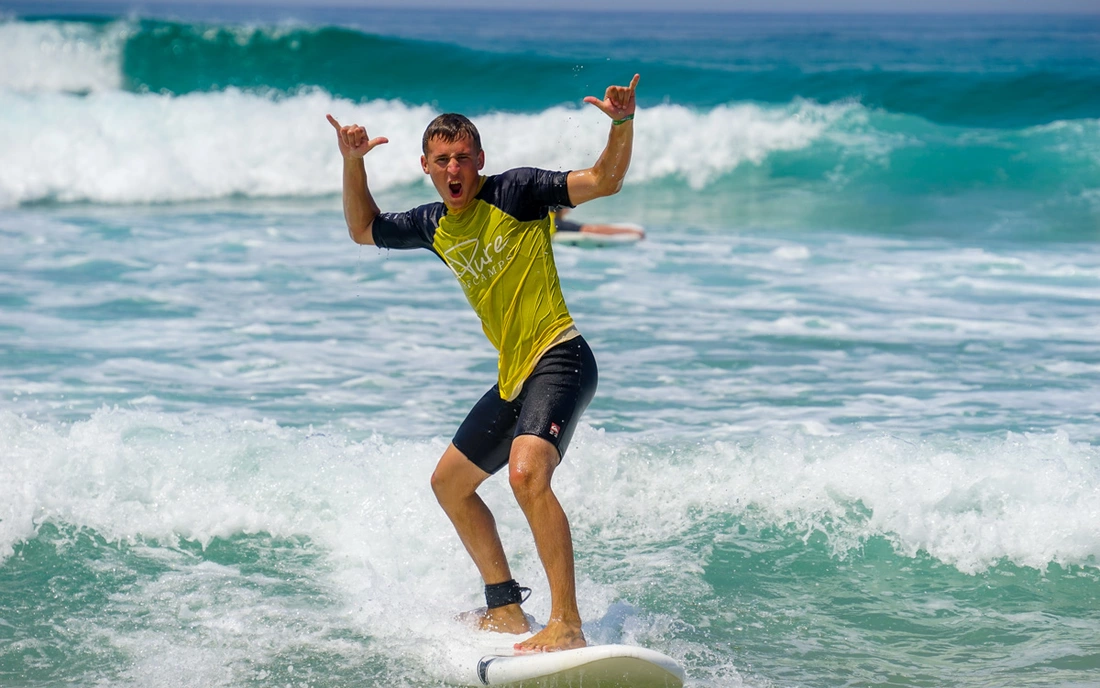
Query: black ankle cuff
point(503, 594)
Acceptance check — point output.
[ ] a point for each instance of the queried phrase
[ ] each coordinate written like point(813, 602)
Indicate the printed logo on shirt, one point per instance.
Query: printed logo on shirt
point(472, 263)
point(555, 429)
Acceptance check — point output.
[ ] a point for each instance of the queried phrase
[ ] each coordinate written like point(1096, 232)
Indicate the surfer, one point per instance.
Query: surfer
point(563, 225)
point(494, 234)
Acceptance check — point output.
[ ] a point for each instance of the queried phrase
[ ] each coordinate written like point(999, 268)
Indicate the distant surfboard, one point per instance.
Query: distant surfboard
point(597, 666)
point(589, 240)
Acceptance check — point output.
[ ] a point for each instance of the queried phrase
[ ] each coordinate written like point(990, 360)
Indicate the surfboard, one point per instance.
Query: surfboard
point(596, 666)
point(588, 240)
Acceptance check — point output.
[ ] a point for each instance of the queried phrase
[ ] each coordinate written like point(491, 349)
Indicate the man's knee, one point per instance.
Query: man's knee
point(446, 481)
point(454, 477)
point(449, 487)
point(439, 484)
point(521, 479)
point(531, 466)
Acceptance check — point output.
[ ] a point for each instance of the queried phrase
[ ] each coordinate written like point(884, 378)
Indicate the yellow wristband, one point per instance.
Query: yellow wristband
point(624, 120)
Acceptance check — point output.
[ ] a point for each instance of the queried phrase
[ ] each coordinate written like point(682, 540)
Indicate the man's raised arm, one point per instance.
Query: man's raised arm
point(606, 176)
point(359, 206)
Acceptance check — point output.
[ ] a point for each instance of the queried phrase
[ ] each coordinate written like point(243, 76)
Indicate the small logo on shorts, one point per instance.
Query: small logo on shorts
point(555, 429)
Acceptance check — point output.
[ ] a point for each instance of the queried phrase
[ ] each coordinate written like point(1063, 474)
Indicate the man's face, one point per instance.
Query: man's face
point(454, 167)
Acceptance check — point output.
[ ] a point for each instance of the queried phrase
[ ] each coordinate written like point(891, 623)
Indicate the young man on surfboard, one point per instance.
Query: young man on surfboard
point(494, 234)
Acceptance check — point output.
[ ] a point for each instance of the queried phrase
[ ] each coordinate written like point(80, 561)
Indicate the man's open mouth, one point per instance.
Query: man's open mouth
point(455, 188)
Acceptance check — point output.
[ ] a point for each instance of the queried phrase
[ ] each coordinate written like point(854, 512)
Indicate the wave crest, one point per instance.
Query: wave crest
point(118, 147)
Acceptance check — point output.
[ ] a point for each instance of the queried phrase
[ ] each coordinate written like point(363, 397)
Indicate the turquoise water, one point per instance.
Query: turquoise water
point(847, 424)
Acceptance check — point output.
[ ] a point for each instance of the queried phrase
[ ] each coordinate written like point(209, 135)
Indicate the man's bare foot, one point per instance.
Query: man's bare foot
point(557, 635)
point(507, 619)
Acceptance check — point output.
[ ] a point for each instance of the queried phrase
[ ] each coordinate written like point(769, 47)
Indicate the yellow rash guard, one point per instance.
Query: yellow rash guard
point(499, 249)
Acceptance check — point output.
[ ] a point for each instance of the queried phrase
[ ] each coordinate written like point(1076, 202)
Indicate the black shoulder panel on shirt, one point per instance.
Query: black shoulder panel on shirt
point(411, 229)
point(526, 193)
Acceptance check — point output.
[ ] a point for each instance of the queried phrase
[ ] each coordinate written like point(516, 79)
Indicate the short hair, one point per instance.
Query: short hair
point(450, 127)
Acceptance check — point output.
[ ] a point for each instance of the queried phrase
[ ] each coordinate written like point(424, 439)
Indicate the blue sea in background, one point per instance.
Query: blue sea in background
point(848, 424)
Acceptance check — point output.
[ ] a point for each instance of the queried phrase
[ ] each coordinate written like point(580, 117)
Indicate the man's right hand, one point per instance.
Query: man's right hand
point(353, 139)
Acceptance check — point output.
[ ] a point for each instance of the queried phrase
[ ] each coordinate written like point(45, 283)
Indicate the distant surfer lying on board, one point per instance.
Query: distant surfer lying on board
point(563, 225)
point(493, 232)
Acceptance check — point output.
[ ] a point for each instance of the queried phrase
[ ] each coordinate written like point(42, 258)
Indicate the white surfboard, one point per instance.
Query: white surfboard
point(597, 666)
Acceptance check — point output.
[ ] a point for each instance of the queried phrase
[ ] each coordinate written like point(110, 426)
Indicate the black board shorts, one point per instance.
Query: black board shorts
point(553, 398)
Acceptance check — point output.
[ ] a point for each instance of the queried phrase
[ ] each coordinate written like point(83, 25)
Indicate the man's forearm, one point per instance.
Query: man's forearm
point(605, 178)
point(359, 206)
point(611, 167)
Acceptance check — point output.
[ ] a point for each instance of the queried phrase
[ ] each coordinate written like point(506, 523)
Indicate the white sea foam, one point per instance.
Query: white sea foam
point(124, 148)
point(133, 476)
point(362, 513)
point(1032, 500)
point(119, 147)
point(42, 57)
point(152, 480)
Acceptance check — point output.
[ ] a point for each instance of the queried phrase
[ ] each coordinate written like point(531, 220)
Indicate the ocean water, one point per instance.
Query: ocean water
point(847, 430)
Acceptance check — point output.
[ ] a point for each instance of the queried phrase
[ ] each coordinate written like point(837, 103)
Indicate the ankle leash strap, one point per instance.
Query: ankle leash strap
point(503, 594)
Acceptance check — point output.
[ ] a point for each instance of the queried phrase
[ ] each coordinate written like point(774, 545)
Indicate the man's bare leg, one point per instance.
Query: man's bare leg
point(530, 468)
point(455, 482)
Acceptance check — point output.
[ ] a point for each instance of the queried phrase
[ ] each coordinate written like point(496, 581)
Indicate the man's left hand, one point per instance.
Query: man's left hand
point(618, 101)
